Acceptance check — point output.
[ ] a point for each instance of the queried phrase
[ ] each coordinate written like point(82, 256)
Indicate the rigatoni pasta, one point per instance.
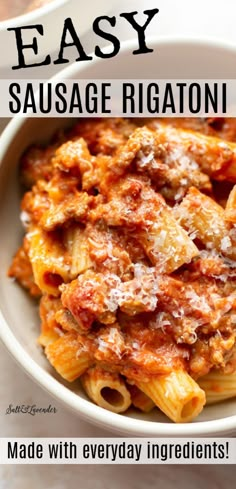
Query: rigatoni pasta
point(176, 394)
point(68, 356)
point(49, 262)
point(76, 244)
point(204, 217)
point(106, 389)
point(218, 386)
point(132, 256)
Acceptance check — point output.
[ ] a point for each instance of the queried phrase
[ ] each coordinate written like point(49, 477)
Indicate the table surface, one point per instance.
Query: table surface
point(184, 18)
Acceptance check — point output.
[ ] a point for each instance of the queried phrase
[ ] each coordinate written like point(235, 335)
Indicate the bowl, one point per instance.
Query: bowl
point(19, 317)
point(52, 17)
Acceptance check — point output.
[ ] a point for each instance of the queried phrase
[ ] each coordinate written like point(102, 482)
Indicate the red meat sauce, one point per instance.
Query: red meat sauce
point(131, 310)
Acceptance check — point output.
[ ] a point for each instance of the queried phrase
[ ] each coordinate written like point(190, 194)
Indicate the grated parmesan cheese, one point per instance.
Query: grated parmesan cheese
point(225, 243)
point(25, 219)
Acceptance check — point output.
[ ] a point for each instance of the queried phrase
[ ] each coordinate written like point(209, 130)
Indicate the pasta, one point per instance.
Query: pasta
point(140, 400)
point(68, 357)
point(176, 394)
point(203, 216)
point(50, 329)
point(218, 386)
point(230, 209)
point(106, 389)
point(76, 243)
point(130, 247)
point(48, 261)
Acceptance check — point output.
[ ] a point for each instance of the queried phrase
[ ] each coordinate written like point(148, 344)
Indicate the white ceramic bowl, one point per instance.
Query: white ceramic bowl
point(19, 318)
point(52, 17)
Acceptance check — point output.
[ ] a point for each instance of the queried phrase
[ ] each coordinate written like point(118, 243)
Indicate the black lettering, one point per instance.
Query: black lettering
point(34, 451)
point(224, 98)
point(69, 27)
point(45, 102)
point(171, 446)
point(104, 98)
point(168, 100)
point(60, 108)
point(91, 92)
point(20, 46)
point(140, 29)
point(199, 451)
point(221, 453)
point(207, 450)
point(23, 451)
point(86, 451)
point(39, 451)
point(153, 108)
point(53, 451)
point(128, 94)
point(105, 35)
point(164, 452)
point(178, 451)
point(214, 446)
point(29, 102)
point(14, 108)
point(94, 449)
point(194, 99)
point(101, 451)
point(181, 96)
point(148, 450)
point(212, 98)
point(140, 98)
point(12, 451)
point(75, 100)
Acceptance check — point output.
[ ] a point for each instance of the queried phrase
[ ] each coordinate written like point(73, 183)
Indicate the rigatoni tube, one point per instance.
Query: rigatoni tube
point(176, 394)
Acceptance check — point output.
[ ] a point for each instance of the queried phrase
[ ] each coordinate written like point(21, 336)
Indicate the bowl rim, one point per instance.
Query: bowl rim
point(34, 15)
point(84, 408)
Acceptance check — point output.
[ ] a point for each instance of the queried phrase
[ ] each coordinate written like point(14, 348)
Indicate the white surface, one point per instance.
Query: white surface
point(204, 18)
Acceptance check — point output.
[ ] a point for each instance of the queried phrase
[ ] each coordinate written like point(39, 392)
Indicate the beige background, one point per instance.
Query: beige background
point(204, 18)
